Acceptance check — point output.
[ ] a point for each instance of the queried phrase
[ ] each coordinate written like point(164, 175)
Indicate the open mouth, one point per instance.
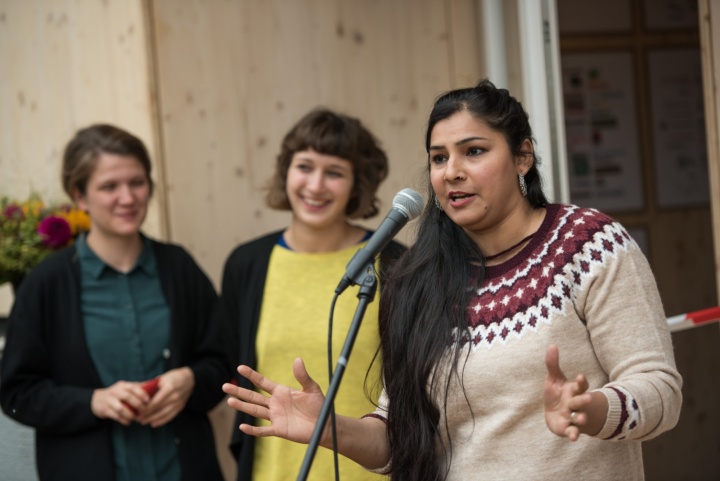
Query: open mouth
point(459, 196)
point(315, 203)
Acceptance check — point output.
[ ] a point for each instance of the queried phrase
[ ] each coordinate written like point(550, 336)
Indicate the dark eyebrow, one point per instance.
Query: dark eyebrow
point(458, 143)
point(342, 167)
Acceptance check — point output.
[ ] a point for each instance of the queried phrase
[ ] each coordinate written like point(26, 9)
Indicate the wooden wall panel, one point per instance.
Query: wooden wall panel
point(234, 77)
point(465, 37)
point(66, 64)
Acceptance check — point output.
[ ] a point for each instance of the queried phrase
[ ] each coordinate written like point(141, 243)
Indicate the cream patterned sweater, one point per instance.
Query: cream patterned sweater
point(581, 283)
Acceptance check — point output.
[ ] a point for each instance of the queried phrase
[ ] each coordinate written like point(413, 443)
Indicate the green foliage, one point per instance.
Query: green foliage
point(22, 245)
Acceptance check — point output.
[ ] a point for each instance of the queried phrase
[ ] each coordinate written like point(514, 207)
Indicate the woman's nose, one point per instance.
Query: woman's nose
point(316, 181)
point(454, 170)
point(126, 194)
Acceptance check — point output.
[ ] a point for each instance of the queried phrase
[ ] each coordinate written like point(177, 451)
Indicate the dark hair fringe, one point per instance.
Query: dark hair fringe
point(331, 133)
point(82, 151)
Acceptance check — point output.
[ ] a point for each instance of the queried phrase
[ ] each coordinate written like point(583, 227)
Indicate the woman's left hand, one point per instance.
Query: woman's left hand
point(174, 390)
point(566, 402)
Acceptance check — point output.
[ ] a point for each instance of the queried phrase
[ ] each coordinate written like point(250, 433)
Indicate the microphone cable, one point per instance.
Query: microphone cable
point(333, 426)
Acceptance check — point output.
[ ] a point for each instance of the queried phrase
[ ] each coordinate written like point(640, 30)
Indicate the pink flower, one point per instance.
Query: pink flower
point(12, 211)
point(55, 231)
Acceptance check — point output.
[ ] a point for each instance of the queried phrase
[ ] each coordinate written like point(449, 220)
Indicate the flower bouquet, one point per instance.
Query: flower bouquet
point(30, 230)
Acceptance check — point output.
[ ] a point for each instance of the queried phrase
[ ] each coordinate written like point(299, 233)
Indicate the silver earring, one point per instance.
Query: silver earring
point(523, 185)
point(437, 203)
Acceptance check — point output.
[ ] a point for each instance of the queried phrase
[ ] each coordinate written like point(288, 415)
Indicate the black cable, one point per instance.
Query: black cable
point(330, 376)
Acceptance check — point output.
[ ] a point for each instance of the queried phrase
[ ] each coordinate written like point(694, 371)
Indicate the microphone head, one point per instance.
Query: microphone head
point(409, 202)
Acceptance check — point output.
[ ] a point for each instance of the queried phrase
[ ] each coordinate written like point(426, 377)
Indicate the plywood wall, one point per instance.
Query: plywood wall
point(233, 77)
point(212, 86)
point(66, 64)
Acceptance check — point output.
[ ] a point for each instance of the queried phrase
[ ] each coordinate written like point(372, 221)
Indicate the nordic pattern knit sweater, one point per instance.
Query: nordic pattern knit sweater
point(581, 283)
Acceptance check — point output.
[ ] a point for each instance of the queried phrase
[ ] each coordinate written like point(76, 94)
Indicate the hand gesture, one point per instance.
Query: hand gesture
point(566, 402)
point(119, 402)
point(292, 413)
point(174, 390)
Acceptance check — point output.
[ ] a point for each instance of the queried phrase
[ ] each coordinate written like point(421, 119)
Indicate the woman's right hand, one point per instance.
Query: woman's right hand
point(117, 402)
point(292, 413)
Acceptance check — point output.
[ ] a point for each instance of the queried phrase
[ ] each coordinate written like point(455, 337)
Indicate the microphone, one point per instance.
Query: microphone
point(406, 205)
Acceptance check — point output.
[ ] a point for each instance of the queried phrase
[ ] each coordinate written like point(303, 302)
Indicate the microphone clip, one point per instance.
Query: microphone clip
point(364, 278)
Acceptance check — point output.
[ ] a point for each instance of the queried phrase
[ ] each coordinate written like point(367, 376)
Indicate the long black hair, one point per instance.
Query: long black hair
point(422, 309)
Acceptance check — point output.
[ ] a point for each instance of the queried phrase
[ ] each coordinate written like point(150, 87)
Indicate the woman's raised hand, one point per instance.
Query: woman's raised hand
point(565, 401)
point(292, 413)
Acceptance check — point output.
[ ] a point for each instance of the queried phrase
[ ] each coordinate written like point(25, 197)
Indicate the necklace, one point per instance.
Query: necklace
point(495, 256)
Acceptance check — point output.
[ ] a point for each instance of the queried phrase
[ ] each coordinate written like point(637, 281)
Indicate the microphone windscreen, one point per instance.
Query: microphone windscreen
point(410, 202)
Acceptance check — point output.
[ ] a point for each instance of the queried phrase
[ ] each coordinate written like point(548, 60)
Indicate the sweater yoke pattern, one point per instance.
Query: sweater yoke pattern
point(543, 288)
point(578, 244)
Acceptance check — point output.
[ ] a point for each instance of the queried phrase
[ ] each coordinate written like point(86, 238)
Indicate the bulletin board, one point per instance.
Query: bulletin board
point(678, 117)
point(602, 133)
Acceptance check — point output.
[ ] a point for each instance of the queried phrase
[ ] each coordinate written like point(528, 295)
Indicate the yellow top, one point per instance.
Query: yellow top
point(294, 323)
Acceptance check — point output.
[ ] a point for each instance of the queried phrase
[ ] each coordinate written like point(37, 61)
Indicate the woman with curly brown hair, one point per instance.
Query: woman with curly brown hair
point(277, 290)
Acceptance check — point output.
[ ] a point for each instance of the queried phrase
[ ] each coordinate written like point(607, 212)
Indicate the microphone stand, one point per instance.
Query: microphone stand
point(367, 280)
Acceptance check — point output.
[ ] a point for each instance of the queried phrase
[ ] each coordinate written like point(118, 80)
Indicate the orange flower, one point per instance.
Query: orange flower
point(33, 207)
point(78, 219)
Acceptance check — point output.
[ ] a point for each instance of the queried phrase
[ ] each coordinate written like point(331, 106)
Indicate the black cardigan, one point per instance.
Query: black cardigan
point(242, 293)
point(48, 376)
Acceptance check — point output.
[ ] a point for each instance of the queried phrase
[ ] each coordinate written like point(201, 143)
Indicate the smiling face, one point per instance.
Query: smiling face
point(474, 174)
point(116, 196)
point(319, 188)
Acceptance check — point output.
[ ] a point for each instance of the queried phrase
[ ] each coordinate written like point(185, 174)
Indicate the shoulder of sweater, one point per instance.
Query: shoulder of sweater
point(589, 231)
point(55, 263)
point(167, 252)
point(584, 219)
point(58, 271)
point(577, 212)
point(168, 248)
point(259, 246)
point(174, 260)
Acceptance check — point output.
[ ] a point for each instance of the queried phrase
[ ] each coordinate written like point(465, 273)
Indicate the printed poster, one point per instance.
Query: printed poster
point(603, 148)
point(678, 116)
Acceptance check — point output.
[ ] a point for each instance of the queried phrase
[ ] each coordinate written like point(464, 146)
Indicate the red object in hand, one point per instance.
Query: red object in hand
point(149, 387)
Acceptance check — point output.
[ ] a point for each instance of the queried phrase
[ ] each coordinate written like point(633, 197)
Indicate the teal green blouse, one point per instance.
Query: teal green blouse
point(127, 330)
